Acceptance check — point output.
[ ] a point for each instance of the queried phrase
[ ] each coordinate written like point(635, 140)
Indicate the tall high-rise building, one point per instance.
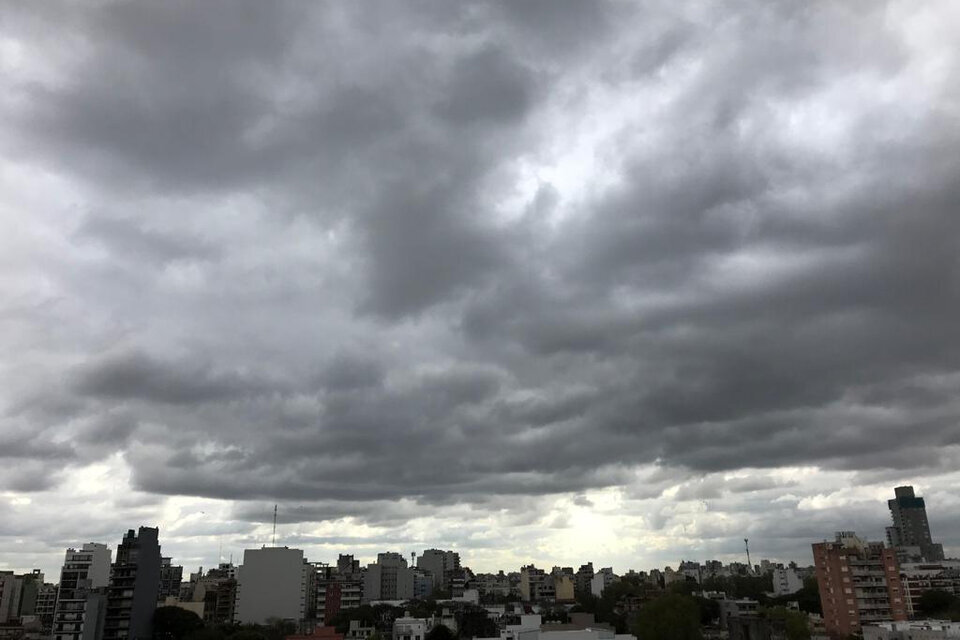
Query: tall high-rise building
point(859, 584)
point(10, 587)
point(81, 599)
point(441, 564)
point(389, 579)
point(134, 585)
point(910, 533)
point(272, 583)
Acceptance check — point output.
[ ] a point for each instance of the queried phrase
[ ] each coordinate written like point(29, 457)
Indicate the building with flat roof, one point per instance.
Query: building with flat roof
point(171, 575)
point(536, 584)
point(271, 583)
point(917, 578)
point(441, 565)
point(388, 579)
point(910, 533)
point(912, 630)
point(859, 584)
point(786, 581)
point(134, 585)
point(81, 602)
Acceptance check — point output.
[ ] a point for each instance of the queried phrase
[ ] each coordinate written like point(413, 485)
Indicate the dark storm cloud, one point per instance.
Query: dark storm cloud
point(325, 255)
point(487, 86)
point(139, 376)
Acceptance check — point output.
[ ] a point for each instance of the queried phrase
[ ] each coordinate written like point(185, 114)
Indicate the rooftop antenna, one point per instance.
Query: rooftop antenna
point(746, 543)
point(274, 543)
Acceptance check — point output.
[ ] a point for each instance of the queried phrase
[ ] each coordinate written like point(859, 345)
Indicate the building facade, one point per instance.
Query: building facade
point(601, 580)
point(81, 601)
point(441, 565)
point(171, 576)
point(10, 587)
point(389, 579)
point(786, 581)
point(859, 584)
point(337, 588)
point(536, 584)
point(271, 583)
point(919, 577)
point(910, 533)
point(134, 585)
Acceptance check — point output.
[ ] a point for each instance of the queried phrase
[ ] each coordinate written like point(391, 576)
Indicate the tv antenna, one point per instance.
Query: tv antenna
point(746, 543)
point(274, 543)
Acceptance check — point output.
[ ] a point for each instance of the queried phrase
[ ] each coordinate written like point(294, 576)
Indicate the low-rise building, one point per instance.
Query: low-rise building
point(912, 630)
point(408, 628)
point(358, 631)
point(919, 577)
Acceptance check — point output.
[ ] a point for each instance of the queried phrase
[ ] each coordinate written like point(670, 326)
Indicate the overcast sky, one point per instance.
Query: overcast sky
point(537, 280)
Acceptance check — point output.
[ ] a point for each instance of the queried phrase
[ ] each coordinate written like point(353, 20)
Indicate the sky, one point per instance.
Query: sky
point(542, 281)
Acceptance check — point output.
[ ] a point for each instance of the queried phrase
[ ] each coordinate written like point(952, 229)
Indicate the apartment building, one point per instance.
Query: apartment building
point(859, 584)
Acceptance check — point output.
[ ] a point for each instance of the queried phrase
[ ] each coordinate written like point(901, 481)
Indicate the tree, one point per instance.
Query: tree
point(440, 632)
point(364, 613)
point(794, 623)
point(934, 603)
point(709, 610)
point(670, 617)
point(215, 632)
point(475, 623)
point(174, 623)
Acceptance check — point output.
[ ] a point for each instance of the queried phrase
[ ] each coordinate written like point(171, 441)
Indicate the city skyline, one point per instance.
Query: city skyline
point(319, 554)
point(540, 281)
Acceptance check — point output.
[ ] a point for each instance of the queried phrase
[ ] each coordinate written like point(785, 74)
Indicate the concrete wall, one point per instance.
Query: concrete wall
point(270, 585)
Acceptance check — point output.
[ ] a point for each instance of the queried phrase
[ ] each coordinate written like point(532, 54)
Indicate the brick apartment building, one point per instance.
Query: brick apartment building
point(859, 584)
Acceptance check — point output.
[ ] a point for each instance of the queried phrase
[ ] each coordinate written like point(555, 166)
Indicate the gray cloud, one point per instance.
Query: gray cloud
point(138, 376)
point(477, 255)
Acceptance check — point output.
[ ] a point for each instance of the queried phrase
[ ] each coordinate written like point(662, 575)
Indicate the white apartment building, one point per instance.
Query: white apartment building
point(786, 581)
point(81, 601)
point(601, 580)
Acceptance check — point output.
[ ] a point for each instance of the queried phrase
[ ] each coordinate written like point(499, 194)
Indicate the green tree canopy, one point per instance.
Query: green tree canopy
point(440, 632)
point(939, 604)
point(174, 623)
point(794, 623)
point(473, 622)
point(670, 617)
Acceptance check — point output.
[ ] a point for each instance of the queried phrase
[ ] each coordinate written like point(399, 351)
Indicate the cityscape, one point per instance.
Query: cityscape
point(874, 589)
point(479, 320)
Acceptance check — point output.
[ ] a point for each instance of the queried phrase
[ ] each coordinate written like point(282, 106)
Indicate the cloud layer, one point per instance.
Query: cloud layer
point(450, 274)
